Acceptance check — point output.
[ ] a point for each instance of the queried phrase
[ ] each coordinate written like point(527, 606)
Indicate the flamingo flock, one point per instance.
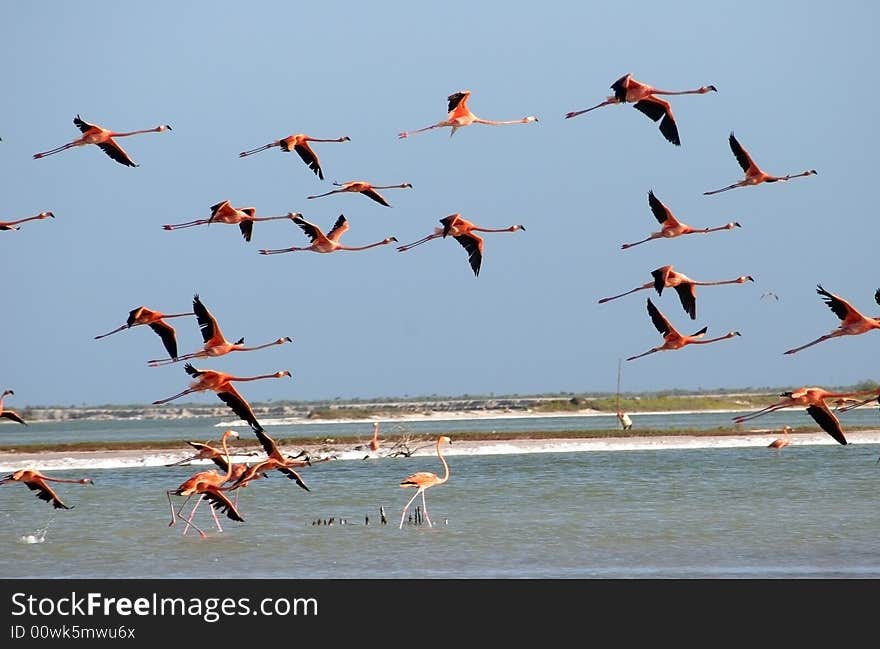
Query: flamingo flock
point(214, 486)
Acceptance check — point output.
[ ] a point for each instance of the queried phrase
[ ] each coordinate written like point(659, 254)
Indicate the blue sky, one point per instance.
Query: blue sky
point(795, 83)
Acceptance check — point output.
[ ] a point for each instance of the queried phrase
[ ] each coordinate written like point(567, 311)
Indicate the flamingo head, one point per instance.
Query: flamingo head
point(282, 373)
point(530, 118)
point(514, 228)
point(444, 438)
point(85, 481)
point(745, 278)
point(734, 224)
point(163, 127)
point(294, 215)
point(46, 215)
point(706, 89)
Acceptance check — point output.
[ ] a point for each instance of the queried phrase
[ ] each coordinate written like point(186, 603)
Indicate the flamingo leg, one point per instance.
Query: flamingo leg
point(120, 328)
point(818, 340)
point(196, 527)
point(650, 351)
point(58, 149)
point(257, 150)
point(417, 243)
point(724, 189)
point(403, 513)
point(425, 509)
point(176, 396)
point(587, 110)
point(192, 514)
point(189, 224)
point(762, 411)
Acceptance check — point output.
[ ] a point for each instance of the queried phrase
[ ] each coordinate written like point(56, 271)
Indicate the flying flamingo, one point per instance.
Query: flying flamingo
point(103, 137)
point(222, 384)
point(365, 188)
point(325, 242)
point(670, 226)
point(208, 484)
point(852, 323)
point(754, 174)
point(424, 480)
point(224, 212)
point(276, 460)
point(463, 231)
point(14, 225)
point(459, 116)
point(814, 399)
point(644, 98)
point(156, 321)
point(781, 442)
point(215, 342)
point(674, 340)
point(36, 481)
point(298, 142)
point(6, 412)
point(666, 277)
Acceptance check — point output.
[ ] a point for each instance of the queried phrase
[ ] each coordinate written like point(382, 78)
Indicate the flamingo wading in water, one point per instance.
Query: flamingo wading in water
point(299, 142)
point(215, 342)
point(224, 212)
point(326, 242)
point(852, 322)
point(672, 339)
point(16, 225)
point(424, 480)
point(459, 116)
point(93, 134)
point(463, 231)
point(671, 227)
point(644, 99)
point(667, 277)
point(754, 174)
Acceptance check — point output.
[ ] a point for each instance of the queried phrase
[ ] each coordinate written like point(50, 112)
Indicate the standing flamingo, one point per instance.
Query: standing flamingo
point(781, 442)
point(666, 277)
point(670, 226)
point(7, 413)
point(424, 480)
point(14, 225)
point(215, 342)
point(276, 460)
point(224, 212)
point(103, 137)
point(325, 242)
point(674, 340)
point(156, 321)
point(222, 384)
point(754, 174)
point(814, 399)
point(852, 323)
point(463, 231)
point(208, 485)
point(36, 481)
point(365, 188)
point(459, 116)
point(644, 98)
point(299, 142)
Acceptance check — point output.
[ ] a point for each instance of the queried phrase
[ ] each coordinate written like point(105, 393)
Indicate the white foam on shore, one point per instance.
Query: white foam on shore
point(89, 460)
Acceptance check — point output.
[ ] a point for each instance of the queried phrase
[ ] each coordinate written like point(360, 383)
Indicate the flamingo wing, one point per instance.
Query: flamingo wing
point(449, 222)
point(419, 479)
point(293, 475)
point(168, 336)
point(116, 152)
point(659, 110)
point(223, 208)
point(268, 444)
point(247, 229)
point(231, 397)
point(456, 100)
point(14, 416)
point(192, 371)
point(827, 421)
point(660, 211)
point(134, 316)
point(207, 323)
point(742, 156)
point(376, 196)
point(313, 232)
point(619, 88)
point(877, 296)
point(660, 276)
point(661, 324)
point(473, 244)
point(339, 228)
point(310, 158)
point(841, 308)
point(45, 492)
point(221, 503)
point(83, 125)
point(687, 294)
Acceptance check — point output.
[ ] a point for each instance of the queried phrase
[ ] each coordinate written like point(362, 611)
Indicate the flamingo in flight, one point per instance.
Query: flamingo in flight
point(156, 321)
point(814, 399)
point(36, 481)
point(852, 322)
point(424, 480)
point(464, 232)
point(215, 342)
point(224, 212)
point(754, 174)
point(667, 277)
point(365, 188)
point(222, 384)
point(299, 142)
point(672, 339)
point(7, 413)
point(15, 225)
point(671, 227)
point(208, 485)
point(459, 116)
point(644, 98)
point(326, 242)
point(92, 134)
point(276, 460)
